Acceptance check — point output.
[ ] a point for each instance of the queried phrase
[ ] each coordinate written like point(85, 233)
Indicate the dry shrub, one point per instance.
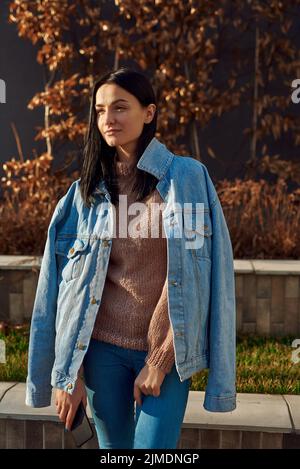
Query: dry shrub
point(263, 219)
point(30, 193)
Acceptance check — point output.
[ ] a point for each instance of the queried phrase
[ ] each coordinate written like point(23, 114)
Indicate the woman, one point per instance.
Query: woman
point(165, 306)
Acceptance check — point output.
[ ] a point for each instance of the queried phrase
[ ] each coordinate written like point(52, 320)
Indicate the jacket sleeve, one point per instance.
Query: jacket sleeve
point(42, 330)
point(220, 393)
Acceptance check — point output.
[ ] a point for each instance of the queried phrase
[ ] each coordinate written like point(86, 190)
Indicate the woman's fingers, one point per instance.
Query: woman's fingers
point(137, 394)
point(63, 414)
point(66, 407)
point(70, 417)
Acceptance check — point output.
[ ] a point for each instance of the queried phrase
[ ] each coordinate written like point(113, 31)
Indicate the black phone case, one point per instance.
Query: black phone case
point(81, 430)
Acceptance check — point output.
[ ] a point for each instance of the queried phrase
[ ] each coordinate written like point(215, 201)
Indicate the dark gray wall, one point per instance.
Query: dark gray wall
point(23, 78)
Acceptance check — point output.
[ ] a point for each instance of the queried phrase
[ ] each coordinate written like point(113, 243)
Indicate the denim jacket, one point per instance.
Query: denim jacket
point(201, 287)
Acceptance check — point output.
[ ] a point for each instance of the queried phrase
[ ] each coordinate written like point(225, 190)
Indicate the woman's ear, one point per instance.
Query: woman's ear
point(150, 113)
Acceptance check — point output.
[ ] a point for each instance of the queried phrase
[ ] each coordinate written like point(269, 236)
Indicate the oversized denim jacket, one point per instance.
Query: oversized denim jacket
point(201, 291)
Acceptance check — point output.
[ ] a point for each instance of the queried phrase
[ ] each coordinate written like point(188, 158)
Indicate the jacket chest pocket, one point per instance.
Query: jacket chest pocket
point(197, 230)
point(71, 255)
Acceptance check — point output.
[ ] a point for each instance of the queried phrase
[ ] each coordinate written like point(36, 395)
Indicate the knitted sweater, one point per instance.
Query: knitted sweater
point(133, 312)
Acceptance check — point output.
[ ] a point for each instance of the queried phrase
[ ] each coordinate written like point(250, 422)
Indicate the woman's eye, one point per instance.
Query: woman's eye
point(100, 110)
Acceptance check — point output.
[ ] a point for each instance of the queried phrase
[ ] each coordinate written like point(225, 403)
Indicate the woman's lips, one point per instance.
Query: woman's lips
point(112, 131)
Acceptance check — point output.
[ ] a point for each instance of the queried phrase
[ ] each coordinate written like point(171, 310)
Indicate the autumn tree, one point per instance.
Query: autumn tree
point(181, 45)
point(204, 59)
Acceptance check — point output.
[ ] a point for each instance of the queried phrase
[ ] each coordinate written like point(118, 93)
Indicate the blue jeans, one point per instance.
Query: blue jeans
point(110, 372)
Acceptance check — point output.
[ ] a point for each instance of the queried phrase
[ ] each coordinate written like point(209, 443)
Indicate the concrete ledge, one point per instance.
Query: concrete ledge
point(12, 405)
point(10, 262)
point(254, 412)
point(241, 266)
point(260, 421)
point(267, 266)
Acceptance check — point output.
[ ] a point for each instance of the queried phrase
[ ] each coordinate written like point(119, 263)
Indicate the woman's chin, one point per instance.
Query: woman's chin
point(112, 139)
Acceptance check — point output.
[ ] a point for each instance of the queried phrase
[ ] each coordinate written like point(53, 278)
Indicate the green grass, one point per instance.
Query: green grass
point(16, 351)
point(264, 364)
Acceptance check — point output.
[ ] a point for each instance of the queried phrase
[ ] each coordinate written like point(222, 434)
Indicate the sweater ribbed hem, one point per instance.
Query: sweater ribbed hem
point(120, 341)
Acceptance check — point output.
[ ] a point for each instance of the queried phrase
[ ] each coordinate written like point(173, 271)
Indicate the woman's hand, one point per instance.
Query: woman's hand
point(67, 404)
point(147, 382)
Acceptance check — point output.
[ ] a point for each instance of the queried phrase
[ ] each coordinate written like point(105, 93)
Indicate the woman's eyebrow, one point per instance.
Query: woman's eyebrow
point(101, 105)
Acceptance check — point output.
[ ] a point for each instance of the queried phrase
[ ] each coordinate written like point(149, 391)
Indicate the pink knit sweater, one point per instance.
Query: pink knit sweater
point(134, 307)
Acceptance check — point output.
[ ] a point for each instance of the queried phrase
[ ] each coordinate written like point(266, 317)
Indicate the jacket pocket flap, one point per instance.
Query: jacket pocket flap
point(198, 222)
point(70, 247)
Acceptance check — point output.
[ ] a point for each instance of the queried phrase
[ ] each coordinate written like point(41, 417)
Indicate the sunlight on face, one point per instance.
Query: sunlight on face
point(119, 110)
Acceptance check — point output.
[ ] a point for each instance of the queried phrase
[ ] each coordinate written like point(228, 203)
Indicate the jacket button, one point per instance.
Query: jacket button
point(174, 283)
point(71, 250)
point(81, 346)
point(70, 386)
point(93, 300)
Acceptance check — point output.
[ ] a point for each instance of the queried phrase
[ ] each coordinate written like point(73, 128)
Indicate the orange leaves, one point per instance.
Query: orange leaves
point(68, 129)
point(59, 97)
point(55, 55)
point(23, 170)
point(41, 19)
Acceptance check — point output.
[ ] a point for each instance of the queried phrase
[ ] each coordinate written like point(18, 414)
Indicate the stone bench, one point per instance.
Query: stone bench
point(259, 421)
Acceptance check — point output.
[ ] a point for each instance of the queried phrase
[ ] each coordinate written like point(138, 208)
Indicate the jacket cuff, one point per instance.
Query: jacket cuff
point(40, 399)
point(219, 404)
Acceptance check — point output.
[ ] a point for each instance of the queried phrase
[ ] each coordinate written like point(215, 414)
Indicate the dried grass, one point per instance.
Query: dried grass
point(30, 193)
point(263, 219)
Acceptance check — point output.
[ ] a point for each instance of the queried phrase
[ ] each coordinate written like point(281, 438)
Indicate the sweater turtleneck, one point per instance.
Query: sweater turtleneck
point(124, 169)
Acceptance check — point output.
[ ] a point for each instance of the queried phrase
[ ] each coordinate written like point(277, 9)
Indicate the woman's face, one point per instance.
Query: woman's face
point(119, 110)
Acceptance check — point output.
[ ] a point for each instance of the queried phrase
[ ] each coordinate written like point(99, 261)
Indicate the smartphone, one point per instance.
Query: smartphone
point(81, 429)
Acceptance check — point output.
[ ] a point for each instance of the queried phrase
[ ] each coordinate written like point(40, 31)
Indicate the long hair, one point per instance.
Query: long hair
point(99, 157)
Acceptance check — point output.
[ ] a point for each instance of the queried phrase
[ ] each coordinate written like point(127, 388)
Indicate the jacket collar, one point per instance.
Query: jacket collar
point(155, 160)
